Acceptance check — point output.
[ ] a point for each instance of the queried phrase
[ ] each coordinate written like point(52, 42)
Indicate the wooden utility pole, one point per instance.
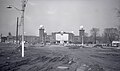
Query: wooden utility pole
point(17, 31)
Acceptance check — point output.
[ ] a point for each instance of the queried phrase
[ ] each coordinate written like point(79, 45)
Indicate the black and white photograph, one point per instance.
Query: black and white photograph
point(59, 35)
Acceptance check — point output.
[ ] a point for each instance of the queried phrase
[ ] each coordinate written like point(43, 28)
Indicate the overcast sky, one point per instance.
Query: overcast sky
point(60, 15)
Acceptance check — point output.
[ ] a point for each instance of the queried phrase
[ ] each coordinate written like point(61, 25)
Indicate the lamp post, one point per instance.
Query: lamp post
point(24, 2)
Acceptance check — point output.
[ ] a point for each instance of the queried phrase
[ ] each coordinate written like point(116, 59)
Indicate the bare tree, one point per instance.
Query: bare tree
point(119, 31)
point(118, 15)
point(111, 34)
point(94, 33)
point(118, 12)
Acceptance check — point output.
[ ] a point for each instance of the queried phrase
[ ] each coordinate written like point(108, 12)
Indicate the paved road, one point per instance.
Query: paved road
point(59, 58)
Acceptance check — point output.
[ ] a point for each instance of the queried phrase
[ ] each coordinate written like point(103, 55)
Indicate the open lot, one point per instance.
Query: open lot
point(59, 58)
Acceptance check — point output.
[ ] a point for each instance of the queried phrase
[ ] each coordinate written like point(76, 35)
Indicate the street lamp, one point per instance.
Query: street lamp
point(24, 2)
point(12, 6)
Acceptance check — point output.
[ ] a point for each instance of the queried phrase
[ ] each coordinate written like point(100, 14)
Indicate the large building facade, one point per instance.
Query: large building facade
point(60, 37)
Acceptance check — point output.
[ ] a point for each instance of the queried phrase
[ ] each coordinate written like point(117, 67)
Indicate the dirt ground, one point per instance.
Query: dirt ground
point(59, 58)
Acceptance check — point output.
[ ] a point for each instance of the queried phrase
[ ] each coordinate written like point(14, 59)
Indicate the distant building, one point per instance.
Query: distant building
point(3, 39)
point(76, 39)
point(8, 39)
point(48, 38)
point(31, 39)
point(11, 39)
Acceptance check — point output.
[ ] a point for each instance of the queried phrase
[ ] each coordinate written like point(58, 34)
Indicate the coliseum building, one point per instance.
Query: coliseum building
point(60, 37)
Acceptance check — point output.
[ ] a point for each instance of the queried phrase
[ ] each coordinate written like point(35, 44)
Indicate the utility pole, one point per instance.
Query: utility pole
point(17, 31)
point(22, 21)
